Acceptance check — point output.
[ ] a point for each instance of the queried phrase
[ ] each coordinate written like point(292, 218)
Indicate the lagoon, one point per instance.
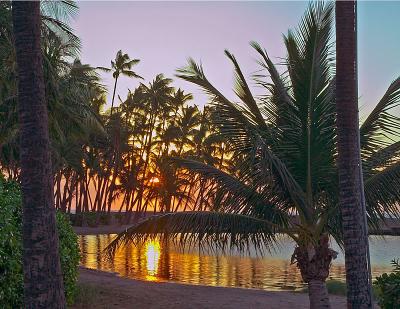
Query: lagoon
point(161, 261)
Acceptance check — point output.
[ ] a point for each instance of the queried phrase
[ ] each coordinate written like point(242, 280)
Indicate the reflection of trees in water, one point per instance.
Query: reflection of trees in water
point(217, 270)
point(128, 263)
point(254, 280)
point(164, 271)
point(195, 267)
point(108, 239)
point(98, 252)
point(83, 247)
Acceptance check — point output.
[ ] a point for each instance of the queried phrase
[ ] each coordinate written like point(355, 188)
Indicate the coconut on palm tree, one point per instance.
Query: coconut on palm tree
point(285, 147)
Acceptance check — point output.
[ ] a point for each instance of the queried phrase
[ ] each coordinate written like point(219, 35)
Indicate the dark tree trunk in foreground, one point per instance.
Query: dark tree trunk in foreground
point(43, 285)
point(350, 177)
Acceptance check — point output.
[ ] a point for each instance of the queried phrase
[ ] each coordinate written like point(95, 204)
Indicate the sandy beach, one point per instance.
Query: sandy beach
point(116, 292)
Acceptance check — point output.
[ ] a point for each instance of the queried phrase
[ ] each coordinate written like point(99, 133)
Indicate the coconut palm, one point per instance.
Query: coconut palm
point(169, 187)
point(284, 145)
point(355, 234)
point(43, 283)
point(122, 65)
point(188, 125)
point(179, 99)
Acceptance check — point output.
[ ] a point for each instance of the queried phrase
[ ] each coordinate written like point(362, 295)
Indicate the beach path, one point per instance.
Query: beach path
point(116, 292)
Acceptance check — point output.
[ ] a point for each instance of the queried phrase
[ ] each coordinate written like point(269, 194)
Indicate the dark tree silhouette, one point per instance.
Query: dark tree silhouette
point(43, 285)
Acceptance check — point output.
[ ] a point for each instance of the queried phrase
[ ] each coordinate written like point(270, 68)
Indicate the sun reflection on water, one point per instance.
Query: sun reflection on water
point(152, 253)
point(161, 261)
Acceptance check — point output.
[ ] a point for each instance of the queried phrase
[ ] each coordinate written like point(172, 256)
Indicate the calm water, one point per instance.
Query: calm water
point(159, 261)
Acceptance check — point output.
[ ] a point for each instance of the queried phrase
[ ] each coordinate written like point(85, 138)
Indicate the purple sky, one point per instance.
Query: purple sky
point(164, 34)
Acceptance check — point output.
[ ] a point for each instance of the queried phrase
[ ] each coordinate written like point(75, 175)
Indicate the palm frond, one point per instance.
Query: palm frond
point(381, 126)
point(131, 74)
point(381, 158)
point(309, 141)
point(242, 90)
point(63, 10)
point(234, 119)
point(279, 100)
point(194, 73)
point(104, 69)
point(213, 229)
point(131, 63)
point(382, 193)
point(56, 16)
point(284, 181)
point(239, 197)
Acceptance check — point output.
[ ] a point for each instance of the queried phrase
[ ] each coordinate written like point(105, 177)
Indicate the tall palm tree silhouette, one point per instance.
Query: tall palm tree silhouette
point(122, 65)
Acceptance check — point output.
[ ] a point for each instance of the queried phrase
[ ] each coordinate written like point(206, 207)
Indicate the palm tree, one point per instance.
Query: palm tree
point(284, 146)
point(122, 65)
point(188, 124)
point(179, 99)
point(351, 191)
point(169, 187)
point(43, 284)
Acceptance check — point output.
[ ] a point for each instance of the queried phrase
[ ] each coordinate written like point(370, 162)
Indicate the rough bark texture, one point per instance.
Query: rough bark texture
point(314, 262)
point(43, 285)
point(318, 294)
point(350, 197)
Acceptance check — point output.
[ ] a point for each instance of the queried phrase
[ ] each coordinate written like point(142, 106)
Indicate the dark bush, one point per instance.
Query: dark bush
point(69, 255)
point(11, 277)
point(388, 288)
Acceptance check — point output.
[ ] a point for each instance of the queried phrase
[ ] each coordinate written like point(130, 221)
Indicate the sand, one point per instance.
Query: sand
point(116, 292)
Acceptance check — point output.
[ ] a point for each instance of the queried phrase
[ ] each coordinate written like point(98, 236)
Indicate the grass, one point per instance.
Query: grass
point(336, 287)
point(86, 295)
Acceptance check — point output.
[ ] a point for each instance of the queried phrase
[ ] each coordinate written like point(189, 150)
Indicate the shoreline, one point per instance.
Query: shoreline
point(117, 228)
point(101, 229)
point(119, 292)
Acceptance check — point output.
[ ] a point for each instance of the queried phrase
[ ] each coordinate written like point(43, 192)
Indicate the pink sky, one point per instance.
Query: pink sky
point(164, 34)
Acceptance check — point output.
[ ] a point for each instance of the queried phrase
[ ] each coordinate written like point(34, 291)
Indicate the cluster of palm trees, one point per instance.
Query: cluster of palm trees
point(114, 159)
point(126, 167)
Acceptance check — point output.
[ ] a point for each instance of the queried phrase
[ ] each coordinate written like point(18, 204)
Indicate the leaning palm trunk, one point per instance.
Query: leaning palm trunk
point(43, 283)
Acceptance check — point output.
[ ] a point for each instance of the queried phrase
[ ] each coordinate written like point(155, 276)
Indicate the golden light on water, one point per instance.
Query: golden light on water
point(154, 180)
point(152, 253)
point(161, 261)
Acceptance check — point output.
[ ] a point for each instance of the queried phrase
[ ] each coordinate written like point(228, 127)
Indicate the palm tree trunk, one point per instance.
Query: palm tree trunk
point(349, 162)
point(43, 283)
point(318, 294)
point(314, 261)
point(112, 102)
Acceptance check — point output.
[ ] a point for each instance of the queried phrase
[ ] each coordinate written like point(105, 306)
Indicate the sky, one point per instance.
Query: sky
point(164, 34)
